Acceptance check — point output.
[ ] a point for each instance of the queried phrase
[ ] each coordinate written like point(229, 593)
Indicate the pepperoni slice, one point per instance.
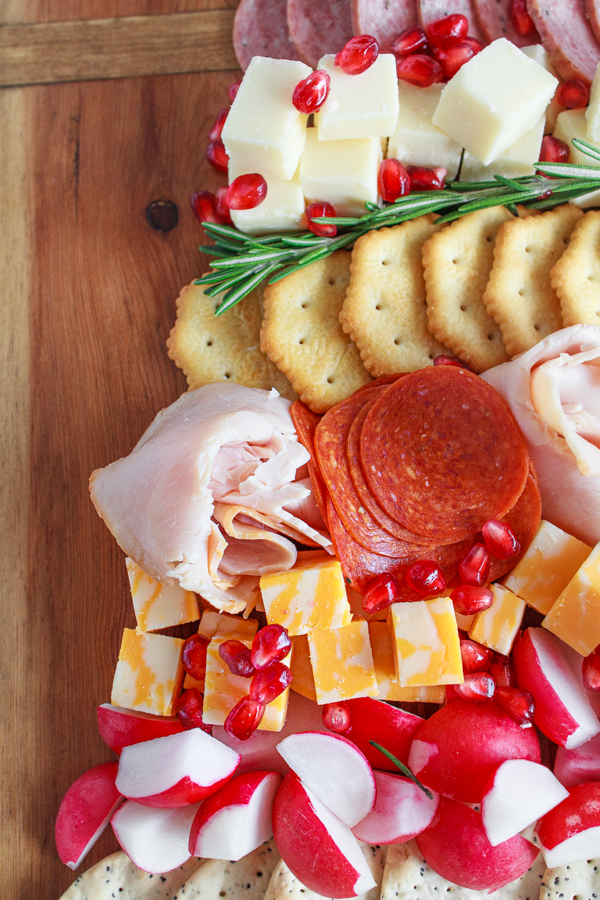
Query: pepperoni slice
point(524, 519)
point(305, 422)
point(379, 382)
point(442, 453)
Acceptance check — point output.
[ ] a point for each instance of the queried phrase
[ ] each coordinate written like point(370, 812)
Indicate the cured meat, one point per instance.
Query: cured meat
point(592, 11)
point(431, 10)
point(568, 397)
point(260, 29)
point(217, 447)
point(524, 519)
point(567, 36)
point(495, 22)
point(379, 382)
point(319, 28)
point(305, 422)
point(384, 19)
point(443, 454)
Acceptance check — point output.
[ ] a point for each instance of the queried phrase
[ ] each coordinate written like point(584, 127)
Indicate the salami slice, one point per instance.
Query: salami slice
point(442, 453)
point(567, 36)
point(384, 19)
point(319, 28)
point(431, 10)
point(305, 422)
point(495, 22)
point(524, 519)
point(260, 29)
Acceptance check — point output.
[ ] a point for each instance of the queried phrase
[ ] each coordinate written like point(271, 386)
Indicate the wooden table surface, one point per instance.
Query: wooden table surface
point(89, 137)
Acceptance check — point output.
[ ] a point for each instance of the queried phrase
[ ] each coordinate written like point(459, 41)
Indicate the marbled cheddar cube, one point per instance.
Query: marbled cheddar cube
point(149, 673)
point(425, 642)
point(303, 680)
point(342, 663)
point(159, 605)
point(222, 689)
point(385, 672)
point(497, 626)
point(306, 597)
point(575, 617)
point(547, 567)
point(213, 623)
point(189, 682)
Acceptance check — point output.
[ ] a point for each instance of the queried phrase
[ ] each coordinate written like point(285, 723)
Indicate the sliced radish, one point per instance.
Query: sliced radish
point(155, 840)
point(121, 727)
point(334, 770)
point(571, 831)
point(402, 810)
point(581, 764)
point(175, 770)
point(85, 812)
point(518, 793)
point(393, 728)
point(237, 819)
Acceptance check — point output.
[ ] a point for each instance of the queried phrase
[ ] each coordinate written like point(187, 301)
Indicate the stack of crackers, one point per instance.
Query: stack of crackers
point(485, 288)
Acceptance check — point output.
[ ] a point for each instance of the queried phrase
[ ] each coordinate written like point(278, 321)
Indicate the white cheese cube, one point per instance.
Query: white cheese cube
point(281, 210)
point(343, 173)
point(516, 161)
point(416, 140)
point(572, 124)
point(493, 99)
point(592, 113)
point(587, 201)
point(264, 132)
point(540, 56)
point(359, 106)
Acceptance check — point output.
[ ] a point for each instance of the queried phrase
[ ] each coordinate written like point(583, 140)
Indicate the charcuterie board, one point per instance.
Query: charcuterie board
point(89, 290)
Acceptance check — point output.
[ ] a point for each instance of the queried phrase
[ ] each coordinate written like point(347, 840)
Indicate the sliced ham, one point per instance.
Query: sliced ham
point(432, 10)
point(318, 28)
point(567, 36)
point(212, 496)
point(384, 19)
point(554, 390)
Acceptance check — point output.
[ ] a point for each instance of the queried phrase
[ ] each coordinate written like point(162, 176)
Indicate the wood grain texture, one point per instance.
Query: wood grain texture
point(21, 11)
point(116, 48)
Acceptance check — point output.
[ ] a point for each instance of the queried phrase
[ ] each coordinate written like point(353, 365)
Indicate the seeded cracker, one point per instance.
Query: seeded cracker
point(457, 263)
point(302, 335)
point(519, 294)
point(384, 310)
point(222, 348)
point(576, 275)
point(218, 879)
point(578, 881)
point(117, 876)
point(285, 886)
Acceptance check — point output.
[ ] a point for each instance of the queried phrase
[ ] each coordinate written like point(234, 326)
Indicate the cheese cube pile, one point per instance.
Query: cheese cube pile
point(497, 626)
point(149, 674)
point(158, 605)
point(343, 173)
point(416, 140)
point(425, 643)
point(308, 596)
point(575, 617)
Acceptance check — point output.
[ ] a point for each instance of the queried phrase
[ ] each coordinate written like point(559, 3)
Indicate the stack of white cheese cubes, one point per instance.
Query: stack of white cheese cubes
point(583, 124)
point(487, 109)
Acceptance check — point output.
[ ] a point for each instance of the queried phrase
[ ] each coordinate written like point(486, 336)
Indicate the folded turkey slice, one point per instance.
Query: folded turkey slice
point(212, 493)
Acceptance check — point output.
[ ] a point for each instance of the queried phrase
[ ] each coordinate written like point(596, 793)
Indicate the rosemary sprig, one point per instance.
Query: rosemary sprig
point(241, 261)
point(404, 769)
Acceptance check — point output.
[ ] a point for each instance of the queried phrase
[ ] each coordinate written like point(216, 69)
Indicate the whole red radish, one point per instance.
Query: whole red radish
point(374, 720)
point(121, 727)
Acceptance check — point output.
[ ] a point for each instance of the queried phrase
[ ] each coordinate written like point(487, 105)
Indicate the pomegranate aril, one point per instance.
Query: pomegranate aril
point(469, 600)
point(475, 657)
point(193, 656)
point(519, 704)
point(316, 210)
point(217, 155)
point(223, 214)
point(451, 694)
point(478, 686)
point(269, 683)
point(554, 150)
point(393, 180)
point(215, 132)
point(358, 54)
point(443, 360)
point(246, 191)
point(522, 21)
point(449, 30)
point(424, 179)
point(271, 644)
point(474, 43)
point(573, 94)
point(426, 577)
point(475, 567)
point(244, 719)
point(204, 206)
point(190, 711)
point(233, 89)
point(238, 658)
point(336, 717)
point(591, 670)
point(412, 40)
point(501, 671)
point(420, 70)
point(452, 58)
point(500, 539)
point(311, 93)
point(380, 593)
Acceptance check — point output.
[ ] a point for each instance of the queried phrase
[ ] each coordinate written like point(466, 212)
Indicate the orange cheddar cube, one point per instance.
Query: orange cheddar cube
point(425, 643)
point(309, 596)
point(575, 617)
point(159, 605)
point(385, 672)
point(547, 567)
point(303, 680)
point(213, 623)
point(342, 663)
point(149, 673)
point(497, 626)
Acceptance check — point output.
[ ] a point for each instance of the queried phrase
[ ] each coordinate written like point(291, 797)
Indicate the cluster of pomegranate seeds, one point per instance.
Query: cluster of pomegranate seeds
point(233, 89)
point(469, 600)
point(554, 150)
point(501, 671)
point(475, 657)
point(477, 686)
point(488, 676)
point(190, 710)
point(448, 31)
point(420, 70)
point(410, 41)
point(358, 54)
point(426, 578)
point(316, 210)
point(246, 191)
point(574, 94)
point(336, 717)
point(244, 718)
point(591, 671)
point(500, 540)
point(519, 704)
point(238, 658)
point(520, 18)
point(311, 93)
point(393, 180)
point(193, 656)
point(215, 132)
point(216, 154)
point(425, 179)
point(475, 567)
point(426, 58)
point(380, 593)
point(267, 684)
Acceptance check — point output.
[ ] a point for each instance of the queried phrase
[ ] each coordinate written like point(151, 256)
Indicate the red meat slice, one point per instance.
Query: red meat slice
point(495, 22)
point(524, 520)
point(260, 29)
point(567, 36)
point(317, 28)
point(384, 19)
point(305, 422)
